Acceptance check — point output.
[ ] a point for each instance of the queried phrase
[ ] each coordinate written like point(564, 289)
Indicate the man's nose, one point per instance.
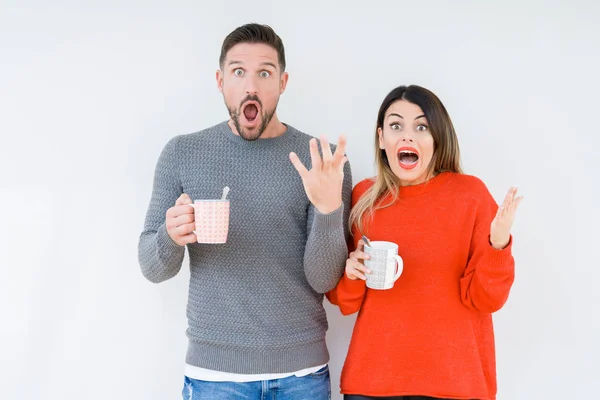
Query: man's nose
point(251, 85)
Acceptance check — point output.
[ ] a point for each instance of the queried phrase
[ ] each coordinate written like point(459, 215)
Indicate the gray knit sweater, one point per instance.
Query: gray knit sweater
point(255, 303)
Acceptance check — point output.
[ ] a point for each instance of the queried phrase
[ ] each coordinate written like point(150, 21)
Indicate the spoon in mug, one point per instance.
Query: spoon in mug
point(225, 192)
point(367, 242)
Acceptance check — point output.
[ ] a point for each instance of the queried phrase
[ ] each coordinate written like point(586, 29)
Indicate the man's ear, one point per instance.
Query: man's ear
point(219, 76)
point(283, 82)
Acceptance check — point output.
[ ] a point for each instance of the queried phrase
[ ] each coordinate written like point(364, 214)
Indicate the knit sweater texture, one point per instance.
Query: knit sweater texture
point(432, 333)
point(255, 303)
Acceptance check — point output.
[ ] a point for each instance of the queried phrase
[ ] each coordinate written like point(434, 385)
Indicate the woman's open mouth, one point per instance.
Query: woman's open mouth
point(408, 157)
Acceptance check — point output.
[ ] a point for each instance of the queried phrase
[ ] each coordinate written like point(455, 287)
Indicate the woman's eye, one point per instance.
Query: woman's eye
point(422, 127)
point(395, 126)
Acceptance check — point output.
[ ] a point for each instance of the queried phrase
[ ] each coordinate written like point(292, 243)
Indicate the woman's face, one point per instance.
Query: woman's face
point(407, 142)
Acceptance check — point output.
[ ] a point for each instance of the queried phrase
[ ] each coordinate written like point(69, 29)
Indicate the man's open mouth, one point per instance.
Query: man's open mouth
point(250, 111)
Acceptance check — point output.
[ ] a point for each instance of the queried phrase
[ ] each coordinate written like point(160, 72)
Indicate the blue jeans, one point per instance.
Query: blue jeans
point(315, 386)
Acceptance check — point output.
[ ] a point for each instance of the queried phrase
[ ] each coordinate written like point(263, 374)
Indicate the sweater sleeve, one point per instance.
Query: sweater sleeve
point(159, 256)
point(327, 244)
point(490, 272)
point(348, 295)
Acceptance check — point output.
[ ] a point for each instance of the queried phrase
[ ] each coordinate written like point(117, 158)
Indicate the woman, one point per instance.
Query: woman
point(431, 335)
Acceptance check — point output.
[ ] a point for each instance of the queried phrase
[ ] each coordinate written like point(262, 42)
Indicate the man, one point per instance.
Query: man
point(256, 319)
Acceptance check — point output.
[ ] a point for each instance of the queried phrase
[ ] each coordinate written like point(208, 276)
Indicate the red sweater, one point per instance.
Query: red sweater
point(432, 333)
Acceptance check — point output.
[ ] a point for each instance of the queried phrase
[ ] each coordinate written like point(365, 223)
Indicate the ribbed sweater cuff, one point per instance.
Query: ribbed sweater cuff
point(499, 259)
point(348, 285)
point(167, 248)
point(330, 221)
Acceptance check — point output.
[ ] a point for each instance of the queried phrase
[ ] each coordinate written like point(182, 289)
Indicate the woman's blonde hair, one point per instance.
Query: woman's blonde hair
point(446, 153)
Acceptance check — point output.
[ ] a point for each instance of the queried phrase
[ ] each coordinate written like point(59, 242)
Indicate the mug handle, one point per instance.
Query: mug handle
point(192, 205)
point(399, 267)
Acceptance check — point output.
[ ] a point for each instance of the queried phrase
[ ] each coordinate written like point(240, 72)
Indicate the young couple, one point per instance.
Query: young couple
point(256, 322)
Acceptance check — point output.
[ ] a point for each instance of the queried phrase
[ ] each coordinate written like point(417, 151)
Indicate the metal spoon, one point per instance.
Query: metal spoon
point(367, 241)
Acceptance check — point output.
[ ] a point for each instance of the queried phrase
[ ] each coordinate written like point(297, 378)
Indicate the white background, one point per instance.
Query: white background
point(89, 95)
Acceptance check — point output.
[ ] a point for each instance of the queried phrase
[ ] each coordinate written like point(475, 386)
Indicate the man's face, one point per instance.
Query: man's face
point(251, 82)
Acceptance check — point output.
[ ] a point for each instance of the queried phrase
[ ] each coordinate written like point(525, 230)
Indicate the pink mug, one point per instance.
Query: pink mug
point(212, 220)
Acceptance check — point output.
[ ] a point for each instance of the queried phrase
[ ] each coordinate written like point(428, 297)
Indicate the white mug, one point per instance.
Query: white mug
point(385, 265)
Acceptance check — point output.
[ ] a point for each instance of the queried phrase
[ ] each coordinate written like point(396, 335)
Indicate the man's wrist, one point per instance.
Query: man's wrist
point(327, 208)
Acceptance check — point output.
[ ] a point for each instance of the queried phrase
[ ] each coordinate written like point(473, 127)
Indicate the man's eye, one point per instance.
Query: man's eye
point(238, 72)
point(265, 74)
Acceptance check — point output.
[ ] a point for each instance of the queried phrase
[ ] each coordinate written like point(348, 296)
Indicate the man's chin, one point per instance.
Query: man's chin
point(250, 133)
